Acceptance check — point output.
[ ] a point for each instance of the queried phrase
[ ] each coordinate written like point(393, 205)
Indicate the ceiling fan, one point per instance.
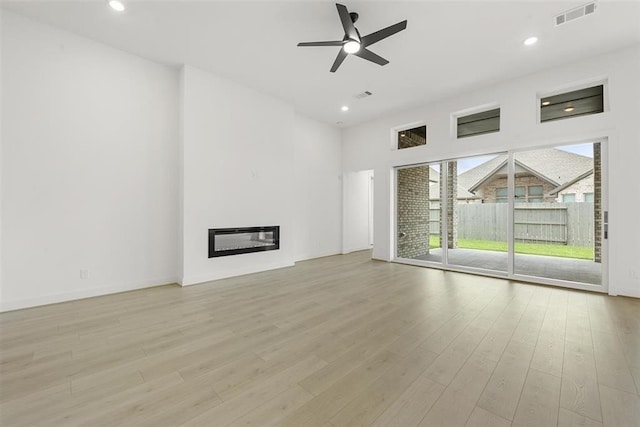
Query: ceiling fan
point(353, 43)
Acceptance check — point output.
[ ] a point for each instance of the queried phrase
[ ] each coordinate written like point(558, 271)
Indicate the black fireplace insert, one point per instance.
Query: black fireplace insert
point(234, 241)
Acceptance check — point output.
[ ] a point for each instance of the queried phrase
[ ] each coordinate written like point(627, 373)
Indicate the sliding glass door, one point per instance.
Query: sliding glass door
point(535, 215)
point(477, 214)
point(558, 213)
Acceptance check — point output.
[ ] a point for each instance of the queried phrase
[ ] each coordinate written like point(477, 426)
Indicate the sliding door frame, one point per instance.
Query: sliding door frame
point(510, 273)
point(604, 194)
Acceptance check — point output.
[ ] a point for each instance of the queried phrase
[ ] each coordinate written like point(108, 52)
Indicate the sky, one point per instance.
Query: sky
point(471, 162)
point(582, 149)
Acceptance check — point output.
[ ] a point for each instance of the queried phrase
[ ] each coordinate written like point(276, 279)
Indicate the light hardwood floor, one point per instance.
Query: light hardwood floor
point(337, 341)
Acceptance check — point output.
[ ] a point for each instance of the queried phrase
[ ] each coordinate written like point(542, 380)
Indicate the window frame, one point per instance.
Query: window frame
point(398, 136)
point(571, 87)
point(478, 117)
point(522, 194)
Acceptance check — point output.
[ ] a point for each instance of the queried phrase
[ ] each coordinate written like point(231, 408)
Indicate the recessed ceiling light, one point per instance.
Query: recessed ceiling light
point(351, 46)
point(546, 102)
point(116, 5)
point(345, 108)
point(569, 109)
point(531, 41)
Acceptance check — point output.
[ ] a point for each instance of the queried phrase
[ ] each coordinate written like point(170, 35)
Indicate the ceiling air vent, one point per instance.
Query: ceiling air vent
point(578, 12)
point(363, 95)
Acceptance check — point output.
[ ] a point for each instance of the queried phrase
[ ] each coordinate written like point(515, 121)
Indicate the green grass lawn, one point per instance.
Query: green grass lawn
point(580, 252)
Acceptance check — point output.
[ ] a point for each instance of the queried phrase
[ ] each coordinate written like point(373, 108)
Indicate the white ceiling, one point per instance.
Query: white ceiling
point(447, 48)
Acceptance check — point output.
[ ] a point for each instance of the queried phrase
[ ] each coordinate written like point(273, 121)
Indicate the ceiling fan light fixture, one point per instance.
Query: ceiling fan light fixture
point(353, 43)
point(351, 46)
point(116, 5)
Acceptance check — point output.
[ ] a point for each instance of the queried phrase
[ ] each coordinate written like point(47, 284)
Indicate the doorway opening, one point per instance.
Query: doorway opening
point(358, 190)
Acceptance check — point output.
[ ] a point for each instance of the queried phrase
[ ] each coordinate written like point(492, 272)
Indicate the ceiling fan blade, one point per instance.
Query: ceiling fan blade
point(341, 55)
point(365, 53)
point(372, 38)
point(332, 43)
point(347, 24)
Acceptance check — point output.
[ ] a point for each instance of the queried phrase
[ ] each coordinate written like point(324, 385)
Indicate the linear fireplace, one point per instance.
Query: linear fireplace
point(233, 241)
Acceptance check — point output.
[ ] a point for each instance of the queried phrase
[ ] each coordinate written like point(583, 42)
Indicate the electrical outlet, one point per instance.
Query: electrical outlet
point(84, 273)
point(634, 274)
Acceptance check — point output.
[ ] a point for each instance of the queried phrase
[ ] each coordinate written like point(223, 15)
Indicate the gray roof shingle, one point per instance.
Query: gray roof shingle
point(557, 166)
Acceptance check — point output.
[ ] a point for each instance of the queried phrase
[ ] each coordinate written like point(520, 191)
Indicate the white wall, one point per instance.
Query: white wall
point(89, 169)
point(357, 205)
point(118, 166)
point(249, 160)
point(317, 154)
point(238, 172)
point(370, 146)
point(1, 25)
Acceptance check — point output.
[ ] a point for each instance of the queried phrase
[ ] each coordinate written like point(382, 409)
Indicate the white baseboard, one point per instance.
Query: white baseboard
point(317, 255)
point(627, 292)
point(250, 269)
point(81, 294)
point(355, 249)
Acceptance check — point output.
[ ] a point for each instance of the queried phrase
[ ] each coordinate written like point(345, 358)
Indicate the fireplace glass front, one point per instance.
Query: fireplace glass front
point(233, 241)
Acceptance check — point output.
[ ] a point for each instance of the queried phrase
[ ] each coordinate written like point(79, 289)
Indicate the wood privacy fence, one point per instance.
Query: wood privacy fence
point(563, 223)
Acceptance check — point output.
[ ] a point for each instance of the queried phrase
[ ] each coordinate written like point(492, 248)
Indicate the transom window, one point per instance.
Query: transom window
point(412, 137)
point(571, 104)
point(478, 123)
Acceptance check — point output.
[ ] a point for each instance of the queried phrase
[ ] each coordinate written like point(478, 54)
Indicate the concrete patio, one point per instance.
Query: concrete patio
point(570, 269)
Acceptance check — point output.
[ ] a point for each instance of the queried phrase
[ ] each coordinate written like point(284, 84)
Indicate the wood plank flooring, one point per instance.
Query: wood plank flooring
point(337, 341)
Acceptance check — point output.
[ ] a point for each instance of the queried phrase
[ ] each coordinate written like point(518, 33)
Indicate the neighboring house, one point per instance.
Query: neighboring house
point(541, 176)
point(463, 195)
point(580, 189)
point(548, 175)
